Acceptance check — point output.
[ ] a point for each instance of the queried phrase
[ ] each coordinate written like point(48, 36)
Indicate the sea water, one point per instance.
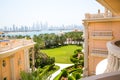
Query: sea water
point(36, 32)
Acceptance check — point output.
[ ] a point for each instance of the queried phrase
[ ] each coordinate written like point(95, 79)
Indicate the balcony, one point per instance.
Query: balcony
point(7, 47)
point(102, 35)
point(112, 71)
point(99, 52)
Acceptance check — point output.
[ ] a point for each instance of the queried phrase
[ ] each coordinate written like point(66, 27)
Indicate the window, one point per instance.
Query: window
point(4, 78)
point(102, 33)
point(4, 63)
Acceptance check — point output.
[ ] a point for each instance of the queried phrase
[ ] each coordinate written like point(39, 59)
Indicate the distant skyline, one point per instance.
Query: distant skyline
point(54, 12)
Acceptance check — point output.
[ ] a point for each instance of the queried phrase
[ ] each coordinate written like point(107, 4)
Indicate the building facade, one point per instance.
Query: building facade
point(100, 28)
point(14, 58)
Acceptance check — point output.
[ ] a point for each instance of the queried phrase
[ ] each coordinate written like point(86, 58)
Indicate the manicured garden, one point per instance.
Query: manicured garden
point(73, 72)
point(70, 73)
point(61, 54)
point(50, 49)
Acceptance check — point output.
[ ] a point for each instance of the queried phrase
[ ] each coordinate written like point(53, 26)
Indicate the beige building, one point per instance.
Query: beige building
point(14, 58)
point(102, 35)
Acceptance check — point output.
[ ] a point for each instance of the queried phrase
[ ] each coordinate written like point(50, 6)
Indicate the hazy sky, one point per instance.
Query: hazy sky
point(55, 12)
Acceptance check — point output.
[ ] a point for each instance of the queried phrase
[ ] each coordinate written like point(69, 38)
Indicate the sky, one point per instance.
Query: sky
point(54, 12)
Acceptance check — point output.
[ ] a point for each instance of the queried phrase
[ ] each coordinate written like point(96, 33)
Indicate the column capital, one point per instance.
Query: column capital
point(86, 24)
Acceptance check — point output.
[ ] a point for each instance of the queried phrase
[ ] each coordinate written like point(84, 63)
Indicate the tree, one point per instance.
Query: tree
point(62, 39)
point(43, 59)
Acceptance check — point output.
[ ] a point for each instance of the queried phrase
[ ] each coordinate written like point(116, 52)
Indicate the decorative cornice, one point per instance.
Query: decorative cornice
point(102, 19)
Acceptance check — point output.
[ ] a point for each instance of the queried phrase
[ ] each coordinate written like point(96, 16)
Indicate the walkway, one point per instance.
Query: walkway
point(62, 66)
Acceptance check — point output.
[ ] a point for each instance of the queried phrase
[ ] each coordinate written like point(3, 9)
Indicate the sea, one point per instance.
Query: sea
point(32, 33)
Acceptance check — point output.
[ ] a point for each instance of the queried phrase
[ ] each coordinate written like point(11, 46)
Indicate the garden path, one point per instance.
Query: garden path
point(62, 66)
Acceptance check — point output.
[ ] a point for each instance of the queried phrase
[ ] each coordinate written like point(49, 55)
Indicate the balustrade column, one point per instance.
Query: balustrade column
point(116, 64)
point(85, 72)
point(33, 60)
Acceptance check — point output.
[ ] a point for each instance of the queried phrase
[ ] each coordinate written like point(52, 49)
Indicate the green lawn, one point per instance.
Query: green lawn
point(61, 54)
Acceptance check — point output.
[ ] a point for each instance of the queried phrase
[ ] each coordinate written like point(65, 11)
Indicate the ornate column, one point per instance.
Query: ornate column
point(12, 65)
point(85, 72)
point(26, 58)
point(33, 60)
point(113, 57)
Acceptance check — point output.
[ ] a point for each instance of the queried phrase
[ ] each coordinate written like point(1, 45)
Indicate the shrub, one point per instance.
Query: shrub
point(64, 73)
point(75, 55)
point(50, 60)
point(81, 57)
point(71, 78)
point(75, 65)
point(78, 76)
point(51, 67)
point(79, 70)
point(28, 76)
point(74, 60)
point(78, 50)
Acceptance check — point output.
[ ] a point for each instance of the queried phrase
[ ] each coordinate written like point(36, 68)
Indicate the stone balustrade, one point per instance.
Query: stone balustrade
point(105, 76)
point(11, 44)
point(113, 56)
point(112, 71)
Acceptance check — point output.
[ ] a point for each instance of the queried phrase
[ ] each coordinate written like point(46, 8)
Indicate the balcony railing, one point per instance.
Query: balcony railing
point(102, 35)
point(99, 52)
point(112, 71)
point(113, 56)
point(11, 44)
point(98, 16)
point(105, 76)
